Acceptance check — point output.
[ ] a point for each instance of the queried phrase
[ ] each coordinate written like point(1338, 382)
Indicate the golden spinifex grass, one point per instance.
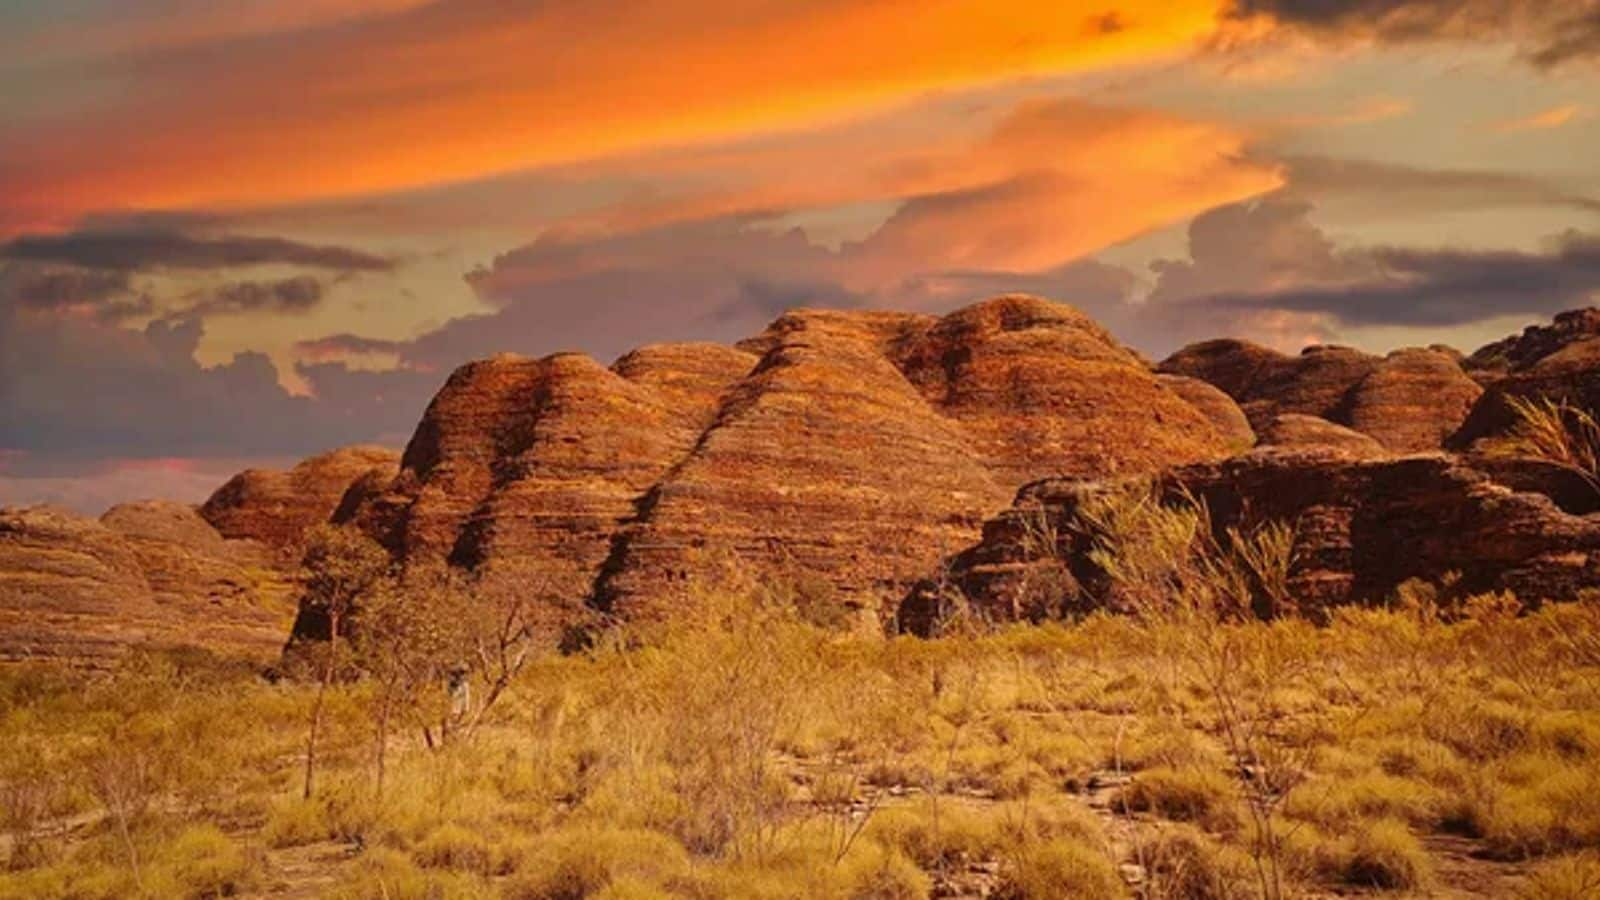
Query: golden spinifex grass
point(743, 751)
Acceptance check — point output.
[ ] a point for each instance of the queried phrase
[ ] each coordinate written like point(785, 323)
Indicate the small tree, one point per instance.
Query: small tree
point(409, 640)
point(341, 570)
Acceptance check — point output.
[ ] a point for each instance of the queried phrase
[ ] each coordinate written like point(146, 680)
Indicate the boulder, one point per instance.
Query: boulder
point(1215, 405)
point(1412, 402)
point(1297, 431)
point(1560, 361)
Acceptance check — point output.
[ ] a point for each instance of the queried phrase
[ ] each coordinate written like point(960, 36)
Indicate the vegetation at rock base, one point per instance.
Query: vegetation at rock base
point(1185, 748)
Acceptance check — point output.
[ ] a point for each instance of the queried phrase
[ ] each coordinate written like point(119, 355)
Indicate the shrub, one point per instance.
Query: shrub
point(451, 846)
point(207, 863)
point(385, 874)
point(1385, 855)
point(1204, 797)
point(1184, 864)
point(1058, 870)
point(875, 872)
point(580, 861)
point(294, 822)
point(953, 834)
point(1575, 877)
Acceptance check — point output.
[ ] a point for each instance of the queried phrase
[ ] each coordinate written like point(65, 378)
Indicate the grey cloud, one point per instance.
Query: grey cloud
point(1391, 187)
point(1547, 33)
point(145, 249)
point(299, 294)
point(1445, 287)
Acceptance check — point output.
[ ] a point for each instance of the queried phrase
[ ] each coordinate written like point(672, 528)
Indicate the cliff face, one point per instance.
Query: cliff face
point(1362, 527)
point(858, 446)
point(147, 574)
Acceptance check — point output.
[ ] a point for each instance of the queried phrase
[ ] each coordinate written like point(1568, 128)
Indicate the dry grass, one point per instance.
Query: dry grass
point(749, 752)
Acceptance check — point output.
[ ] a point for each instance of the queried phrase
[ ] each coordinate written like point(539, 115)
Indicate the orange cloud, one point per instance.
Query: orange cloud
point(453, 91)
point(1554, 117)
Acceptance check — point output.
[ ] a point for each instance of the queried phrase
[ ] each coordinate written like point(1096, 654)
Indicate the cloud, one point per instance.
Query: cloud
point(443, 92)
point(1413, 287)
point(67, 290)
point(1264, 269)
point(344, 344)
point(296, 295)
point(1392, 188)
point(1547, 33)
point(142, 250)
point(79, 390)
point(1554, 117)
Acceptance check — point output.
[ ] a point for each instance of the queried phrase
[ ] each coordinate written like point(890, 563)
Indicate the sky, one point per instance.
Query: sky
point(237, 234)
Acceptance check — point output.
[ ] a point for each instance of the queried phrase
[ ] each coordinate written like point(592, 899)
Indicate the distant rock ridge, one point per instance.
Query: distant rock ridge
point(153, 574)
point(1410, 401)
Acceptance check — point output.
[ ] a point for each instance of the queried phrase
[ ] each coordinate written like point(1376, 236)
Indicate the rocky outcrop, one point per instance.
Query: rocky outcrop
point(149, 574)
point(1216, 405)
point(1520, 352)
point(814, 459)
point(1267, 384)
point(1413, 401)
point(1409, 401)
point(856, 446)
point(1560, 361)
point(1311, 432)
point(276, 507)
point(1362, 527)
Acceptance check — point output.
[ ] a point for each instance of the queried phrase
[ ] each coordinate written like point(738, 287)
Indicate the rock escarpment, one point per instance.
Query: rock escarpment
point(1560, 361)
point(1409, 401)
point(276, 507)
point(856, 446)
point(148, 574)
point(1362, 527)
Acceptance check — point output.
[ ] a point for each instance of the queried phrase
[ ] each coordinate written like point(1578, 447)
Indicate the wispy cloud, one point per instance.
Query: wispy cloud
point(1544, 120)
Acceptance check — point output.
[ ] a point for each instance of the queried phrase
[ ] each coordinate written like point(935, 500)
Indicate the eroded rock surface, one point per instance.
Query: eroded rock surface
point(145, 575)
point(1362, 527)
point(859, 447)
point(276, 507)
point(1409, 401)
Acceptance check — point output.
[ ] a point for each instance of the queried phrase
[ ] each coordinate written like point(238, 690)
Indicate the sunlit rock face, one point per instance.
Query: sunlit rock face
point(858, 447)
point(151, 574)
point(1362, 526)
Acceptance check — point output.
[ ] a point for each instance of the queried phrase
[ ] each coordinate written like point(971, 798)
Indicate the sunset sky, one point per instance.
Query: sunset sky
point(238, 233)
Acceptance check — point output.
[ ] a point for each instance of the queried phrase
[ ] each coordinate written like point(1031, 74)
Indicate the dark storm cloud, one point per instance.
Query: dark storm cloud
point(51, 290)
point(1547, 33)
point(1443, 287)
point(1392, 187)
point(139, 250)
point(299, 294)
point(79, 389)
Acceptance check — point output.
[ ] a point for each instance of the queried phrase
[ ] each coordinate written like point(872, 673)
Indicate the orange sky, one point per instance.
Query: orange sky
point(266, 227)
point(436, 94)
